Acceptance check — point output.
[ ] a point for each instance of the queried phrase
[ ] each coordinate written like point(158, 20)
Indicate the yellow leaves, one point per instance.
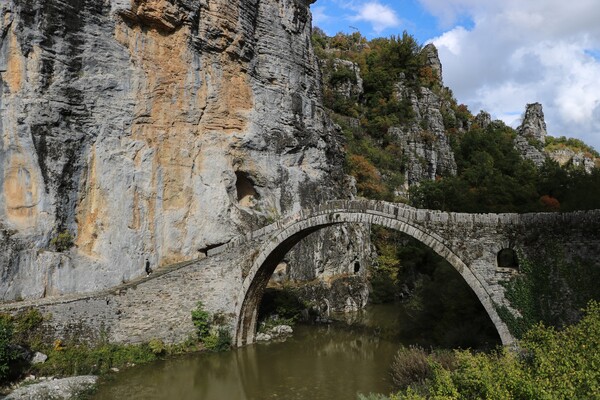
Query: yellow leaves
point(58, 345)
point(368, 178)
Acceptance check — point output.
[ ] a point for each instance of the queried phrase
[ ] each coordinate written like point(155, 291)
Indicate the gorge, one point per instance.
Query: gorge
point(161, 158)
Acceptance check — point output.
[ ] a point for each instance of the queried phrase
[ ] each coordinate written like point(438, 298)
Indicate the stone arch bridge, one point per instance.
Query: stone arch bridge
point(231, 279)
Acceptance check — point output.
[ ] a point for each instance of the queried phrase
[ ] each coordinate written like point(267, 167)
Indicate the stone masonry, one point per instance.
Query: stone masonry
point(231, 279)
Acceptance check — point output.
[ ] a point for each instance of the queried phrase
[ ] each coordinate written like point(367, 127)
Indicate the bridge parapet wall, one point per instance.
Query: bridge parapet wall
point(154, 307)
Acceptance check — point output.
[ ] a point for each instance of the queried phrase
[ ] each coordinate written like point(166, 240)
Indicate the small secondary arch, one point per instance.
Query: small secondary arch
point(273, 251)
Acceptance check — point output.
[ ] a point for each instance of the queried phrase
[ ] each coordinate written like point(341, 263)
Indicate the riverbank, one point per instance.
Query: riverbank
point(56, 389)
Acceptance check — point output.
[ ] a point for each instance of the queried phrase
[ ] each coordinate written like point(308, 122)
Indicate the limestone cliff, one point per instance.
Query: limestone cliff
point(152, 129)
point(424, 141)
point(422, 138)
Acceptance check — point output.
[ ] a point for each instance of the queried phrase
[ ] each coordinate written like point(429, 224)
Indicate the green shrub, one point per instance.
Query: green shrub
point(342, 74)
point(414, 366)
point(212, 336)
point(63, 241)
point(552, 365)
point(6, 353)
point(157, 346)
point(202, 321)
point(218, 341)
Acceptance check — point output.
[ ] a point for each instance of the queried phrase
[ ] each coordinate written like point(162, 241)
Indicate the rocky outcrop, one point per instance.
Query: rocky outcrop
point(432, 60)
point(344, 293)
point(276, 332)
point(533, 125)
point(529, 151)
point(483, 119)
point(152, 129)
point(531, 135)
point(570, 157)
point(423, 139)
point(425, 146)
point(332, 255)
point(343, 77)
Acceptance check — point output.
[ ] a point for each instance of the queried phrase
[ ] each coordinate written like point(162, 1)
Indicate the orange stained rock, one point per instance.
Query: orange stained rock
point(179, 96)
point(21, 191)
point(15, 70)
point(91, 210)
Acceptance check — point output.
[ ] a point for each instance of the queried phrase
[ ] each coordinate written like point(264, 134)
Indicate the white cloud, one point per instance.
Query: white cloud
point(319, 15)
point(380, 16)
point(521, 52)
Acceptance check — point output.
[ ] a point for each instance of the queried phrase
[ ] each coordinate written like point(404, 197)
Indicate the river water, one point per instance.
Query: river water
point(333, 362)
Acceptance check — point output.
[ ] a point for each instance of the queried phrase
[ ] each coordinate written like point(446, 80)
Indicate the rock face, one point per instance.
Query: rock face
point(433, 61)
point(483, 119)
point(152, 129)
point(276, 332)
point(533, 125)
point(574, 158)
point(343, 77)
point(424, 143)
point(532, 131)
point(529, 151)
point(345, 293)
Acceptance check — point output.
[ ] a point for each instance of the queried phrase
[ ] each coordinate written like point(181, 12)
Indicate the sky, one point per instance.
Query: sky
point(498, 55)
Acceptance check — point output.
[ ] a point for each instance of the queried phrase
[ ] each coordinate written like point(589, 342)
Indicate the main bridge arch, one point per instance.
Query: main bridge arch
point(397, 217)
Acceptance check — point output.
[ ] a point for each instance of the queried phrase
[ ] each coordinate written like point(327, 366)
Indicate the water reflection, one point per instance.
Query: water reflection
point(318, 362)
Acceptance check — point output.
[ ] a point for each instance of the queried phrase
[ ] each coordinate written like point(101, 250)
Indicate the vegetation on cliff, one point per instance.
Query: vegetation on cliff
point(373, 154)
point(491, 177)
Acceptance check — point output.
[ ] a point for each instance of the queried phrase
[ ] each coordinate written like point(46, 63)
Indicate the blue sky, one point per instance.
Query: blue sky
point(498, 55)
point(379, 18)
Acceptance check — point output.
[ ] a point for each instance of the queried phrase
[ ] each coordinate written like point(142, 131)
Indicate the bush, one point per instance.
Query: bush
point(342, 75)
point(62, 242)
point(157, 346)
point(6, 352)
point(214, 338)
point(553, 365)
point(218, 341)
point(414, 366)
point(202, 321)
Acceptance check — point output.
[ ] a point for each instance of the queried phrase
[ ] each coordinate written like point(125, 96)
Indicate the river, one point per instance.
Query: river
point(333, 362)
